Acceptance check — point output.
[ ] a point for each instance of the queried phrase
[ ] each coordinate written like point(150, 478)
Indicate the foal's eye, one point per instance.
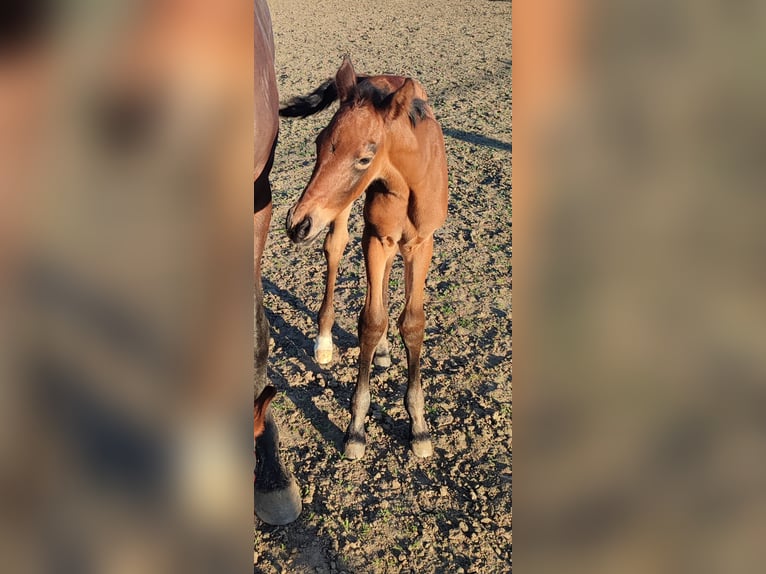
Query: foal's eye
point(364, 162)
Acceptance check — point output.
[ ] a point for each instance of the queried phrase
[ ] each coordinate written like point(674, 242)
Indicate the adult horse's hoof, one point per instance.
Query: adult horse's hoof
point(422, 448)
point(323, 350)
point(279, 507)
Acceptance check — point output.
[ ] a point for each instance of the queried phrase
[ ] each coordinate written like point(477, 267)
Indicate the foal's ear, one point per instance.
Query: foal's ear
point(345, 79)
point(401, 99)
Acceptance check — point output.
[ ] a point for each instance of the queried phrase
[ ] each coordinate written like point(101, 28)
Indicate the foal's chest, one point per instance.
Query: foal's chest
point(385, 213)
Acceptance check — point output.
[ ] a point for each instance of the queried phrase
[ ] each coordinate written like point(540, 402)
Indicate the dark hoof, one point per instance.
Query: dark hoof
point(421, 444)
point(354, 450)
point(354, 444)
point(422, 448)
point(279, 507)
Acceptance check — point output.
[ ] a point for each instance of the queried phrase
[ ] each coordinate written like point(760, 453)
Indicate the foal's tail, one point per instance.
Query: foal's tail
point(316, 101)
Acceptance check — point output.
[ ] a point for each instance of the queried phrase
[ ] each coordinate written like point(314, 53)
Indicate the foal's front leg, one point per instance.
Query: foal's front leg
point(373, 323)
point(411, 326)
point(334, 244)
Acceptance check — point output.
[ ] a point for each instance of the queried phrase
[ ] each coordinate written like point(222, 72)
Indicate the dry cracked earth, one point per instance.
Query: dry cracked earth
point(391, 512)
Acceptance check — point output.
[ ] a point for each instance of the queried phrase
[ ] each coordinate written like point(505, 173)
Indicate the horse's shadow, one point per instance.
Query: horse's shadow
point(478, 139)
point(298, 345)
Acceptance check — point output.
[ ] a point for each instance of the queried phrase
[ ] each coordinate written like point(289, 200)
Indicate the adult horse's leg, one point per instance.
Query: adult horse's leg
point(275, 494)
point(334, 244)
point(261, 221)
point(411, 325)
point(373, 323)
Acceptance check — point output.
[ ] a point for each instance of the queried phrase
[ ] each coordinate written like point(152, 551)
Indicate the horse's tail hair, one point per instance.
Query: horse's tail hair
point(316, 101)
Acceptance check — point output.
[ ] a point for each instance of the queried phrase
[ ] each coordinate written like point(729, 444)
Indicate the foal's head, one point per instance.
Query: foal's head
point(351, 151)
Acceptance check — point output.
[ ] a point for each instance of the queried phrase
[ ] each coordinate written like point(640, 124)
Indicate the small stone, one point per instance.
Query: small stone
point(443, 491)
point(396, 484)
point(463, 526)
point(444, 420)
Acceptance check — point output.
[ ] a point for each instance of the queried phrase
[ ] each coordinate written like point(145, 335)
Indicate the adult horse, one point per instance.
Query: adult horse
point(276, 496)
point(383, 141)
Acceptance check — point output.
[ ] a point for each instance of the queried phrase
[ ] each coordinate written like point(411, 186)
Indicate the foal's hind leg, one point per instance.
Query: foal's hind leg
point(411, 325)
point(373, 323)
point(382, 354)
point(334, 244)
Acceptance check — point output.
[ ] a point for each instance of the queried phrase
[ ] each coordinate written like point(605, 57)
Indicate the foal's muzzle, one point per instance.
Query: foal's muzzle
point(297, 232)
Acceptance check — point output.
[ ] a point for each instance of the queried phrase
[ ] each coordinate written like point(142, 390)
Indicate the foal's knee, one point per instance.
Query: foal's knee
point(411, 325)
point(372, 326)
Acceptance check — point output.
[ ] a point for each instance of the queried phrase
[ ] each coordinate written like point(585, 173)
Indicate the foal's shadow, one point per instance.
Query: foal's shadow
point(298, 344)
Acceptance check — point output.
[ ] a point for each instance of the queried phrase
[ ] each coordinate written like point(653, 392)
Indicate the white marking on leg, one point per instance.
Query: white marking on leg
point(323, 350)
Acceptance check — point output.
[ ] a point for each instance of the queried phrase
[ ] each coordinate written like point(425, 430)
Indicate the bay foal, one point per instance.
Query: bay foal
point(337, 231)
point(383, 141)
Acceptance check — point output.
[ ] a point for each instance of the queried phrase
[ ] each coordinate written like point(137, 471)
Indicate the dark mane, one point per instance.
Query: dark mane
point(381, 99)
point(368, 92)
point(418, 111)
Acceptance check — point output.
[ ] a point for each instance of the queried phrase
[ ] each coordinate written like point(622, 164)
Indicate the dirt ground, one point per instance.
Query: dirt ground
point(390, 512)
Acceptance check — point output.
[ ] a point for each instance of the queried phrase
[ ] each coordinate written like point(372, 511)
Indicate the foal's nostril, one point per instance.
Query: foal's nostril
point(297, 232)
point(301, 231)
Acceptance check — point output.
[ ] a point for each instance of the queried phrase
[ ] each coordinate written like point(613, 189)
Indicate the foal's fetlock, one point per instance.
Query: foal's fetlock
point(323, 350)
point(382, 358)
point(354, 444)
